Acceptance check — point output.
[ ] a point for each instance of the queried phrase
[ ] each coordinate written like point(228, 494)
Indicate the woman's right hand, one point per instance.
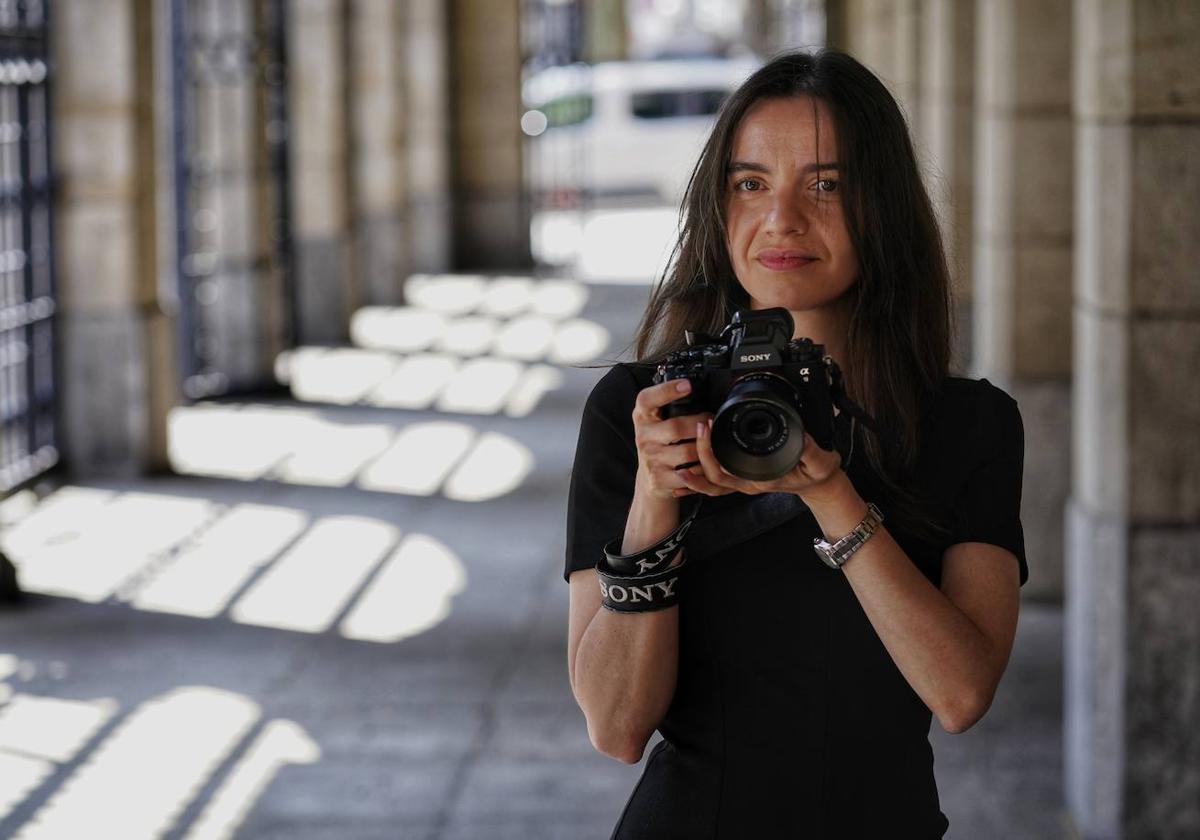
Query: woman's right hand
point(665, 447)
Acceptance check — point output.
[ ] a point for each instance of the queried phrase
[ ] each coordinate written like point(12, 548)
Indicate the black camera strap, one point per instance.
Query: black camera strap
point(649, 560)
point(837, 391)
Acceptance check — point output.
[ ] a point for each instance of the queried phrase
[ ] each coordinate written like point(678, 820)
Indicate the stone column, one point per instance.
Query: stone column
point(118, 376)
point(1133, 549)
point(320, 212)
point(945, 128)
point(428, 139)
point(492, 216)
point(1022, 253)
point(378, 126)
point(883, 34)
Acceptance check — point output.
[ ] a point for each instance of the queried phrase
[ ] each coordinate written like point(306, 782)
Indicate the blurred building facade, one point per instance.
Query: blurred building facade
point(236, 177)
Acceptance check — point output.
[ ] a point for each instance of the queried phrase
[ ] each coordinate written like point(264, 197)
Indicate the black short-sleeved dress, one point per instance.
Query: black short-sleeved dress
point(790, 720)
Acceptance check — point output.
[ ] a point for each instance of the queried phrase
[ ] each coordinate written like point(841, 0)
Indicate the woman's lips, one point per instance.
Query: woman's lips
point(784, 260)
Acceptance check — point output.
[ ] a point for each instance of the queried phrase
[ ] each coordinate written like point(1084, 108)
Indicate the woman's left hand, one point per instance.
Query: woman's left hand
point(815, 471)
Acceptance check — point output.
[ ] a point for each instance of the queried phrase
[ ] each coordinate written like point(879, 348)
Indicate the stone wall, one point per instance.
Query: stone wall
point(1133, 581)
point(1023, 251)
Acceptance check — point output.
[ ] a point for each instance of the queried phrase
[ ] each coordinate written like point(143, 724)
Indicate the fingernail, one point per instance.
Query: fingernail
point(683, 385)
point(701, 429)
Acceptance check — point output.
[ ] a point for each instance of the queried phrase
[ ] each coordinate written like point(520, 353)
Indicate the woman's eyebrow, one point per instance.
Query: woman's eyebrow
point(743, 166)
point(747, 166)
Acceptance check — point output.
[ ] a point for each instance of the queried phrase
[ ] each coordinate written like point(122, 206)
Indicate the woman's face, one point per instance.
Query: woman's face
point(785, 229)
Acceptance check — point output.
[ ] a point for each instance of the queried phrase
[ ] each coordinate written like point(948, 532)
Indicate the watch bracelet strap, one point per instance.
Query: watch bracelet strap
point(651, 559)
point(838, 552)
point(641, 593)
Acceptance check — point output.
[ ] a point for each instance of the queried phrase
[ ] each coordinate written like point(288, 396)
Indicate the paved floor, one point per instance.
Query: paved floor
point(331, 646)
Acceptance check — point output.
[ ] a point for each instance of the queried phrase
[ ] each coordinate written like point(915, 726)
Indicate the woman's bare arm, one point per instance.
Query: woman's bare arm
point(623, 666)
point(952, 645)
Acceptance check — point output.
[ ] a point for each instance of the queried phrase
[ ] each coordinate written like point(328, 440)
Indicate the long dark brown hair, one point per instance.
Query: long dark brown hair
point(898, 343)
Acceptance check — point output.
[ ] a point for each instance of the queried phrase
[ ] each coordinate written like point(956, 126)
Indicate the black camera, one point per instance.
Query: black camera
point(765, 389)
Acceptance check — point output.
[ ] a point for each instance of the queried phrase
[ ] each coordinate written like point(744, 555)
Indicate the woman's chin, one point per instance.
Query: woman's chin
point(792, 303)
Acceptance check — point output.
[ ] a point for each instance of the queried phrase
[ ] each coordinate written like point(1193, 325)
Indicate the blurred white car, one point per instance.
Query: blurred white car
point(623, 127)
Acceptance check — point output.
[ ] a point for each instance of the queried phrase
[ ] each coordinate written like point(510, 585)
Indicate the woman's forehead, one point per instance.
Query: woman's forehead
point(793, 125)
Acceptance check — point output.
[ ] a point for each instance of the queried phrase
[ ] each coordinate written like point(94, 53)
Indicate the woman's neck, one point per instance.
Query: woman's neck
point(826, 326)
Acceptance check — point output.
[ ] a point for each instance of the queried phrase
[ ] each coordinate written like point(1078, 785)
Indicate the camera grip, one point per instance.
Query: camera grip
point(680, 408)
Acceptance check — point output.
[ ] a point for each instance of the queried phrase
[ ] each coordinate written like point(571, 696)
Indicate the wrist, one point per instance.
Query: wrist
point(834, 491)
point(650, 518)
point(836, 505)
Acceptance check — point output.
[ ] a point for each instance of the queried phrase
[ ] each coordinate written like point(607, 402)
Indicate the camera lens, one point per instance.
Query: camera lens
point(758, 429)
point(757, 433)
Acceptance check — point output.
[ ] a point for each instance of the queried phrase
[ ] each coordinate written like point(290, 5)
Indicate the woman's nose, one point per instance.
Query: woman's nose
point(786, 215)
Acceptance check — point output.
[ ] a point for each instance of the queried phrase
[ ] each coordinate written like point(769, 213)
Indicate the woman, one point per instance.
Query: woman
point(795, 699)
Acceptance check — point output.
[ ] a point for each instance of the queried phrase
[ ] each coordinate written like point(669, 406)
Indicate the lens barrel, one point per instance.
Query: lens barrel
point(758, 433)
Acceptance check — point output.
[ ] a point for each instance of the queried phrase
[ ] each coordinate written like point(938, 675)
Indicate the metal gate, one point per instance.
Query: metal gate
point(29, 444)
point(237, 307)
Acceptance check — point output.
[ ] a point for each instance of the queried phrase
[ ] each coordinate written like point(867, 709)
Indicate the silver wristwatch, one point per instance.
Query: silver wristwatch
point(836, 553)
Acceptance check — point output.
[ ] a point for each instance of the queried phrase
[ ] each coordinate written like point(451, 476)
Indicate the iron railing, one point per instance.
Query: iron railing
point(237, 306)
point(28, 357)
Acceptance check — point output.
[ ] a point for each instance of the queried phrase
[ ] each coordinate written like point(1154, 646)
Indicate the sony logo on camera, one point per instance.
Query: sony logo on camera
point(751, 358)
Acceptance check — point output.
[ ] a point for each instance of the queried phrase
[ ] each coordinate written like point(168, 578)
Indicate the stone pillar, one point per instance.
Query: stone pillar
point(1023, 251)
point(377, 130)
point(1133, 549)
point(837, 24)
point(320, 214)
point(945, 128)
point(118, 374)
point(428, 138)
point(883, 34)
point(492, 216)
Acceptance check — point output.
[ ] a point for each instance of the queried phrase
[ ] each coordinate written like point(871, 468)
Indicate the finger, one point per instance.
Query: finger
point(651, 399)
point(671, 430)
point(699, 484)
point(684, 455)
point(816, 461)
point(669, 456)
point(667, 431)
point(665, 476)
point(713, 471)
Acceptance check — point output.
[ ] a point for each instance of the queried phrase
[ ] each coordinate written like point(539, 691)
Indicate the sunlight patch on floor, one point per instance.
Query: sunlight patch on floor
point(206, 575)
point(416, 459)
point(312, 582)
point(419, 459)
point(50, 728)
point(89, 546)
point(411, 594)
point(142, 776)
point(281, 742)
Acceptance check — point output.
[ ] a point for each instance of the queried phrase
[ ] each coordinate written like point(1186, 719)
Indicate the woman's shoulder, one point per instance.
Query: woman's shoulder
point(975, 410)
point(960, 394)
point(618, 388)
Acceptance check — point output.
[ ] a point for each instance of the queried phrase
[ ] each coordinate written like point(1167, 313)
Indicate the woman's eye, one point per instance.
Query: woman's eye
point(748, 185)
point(827, 185)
